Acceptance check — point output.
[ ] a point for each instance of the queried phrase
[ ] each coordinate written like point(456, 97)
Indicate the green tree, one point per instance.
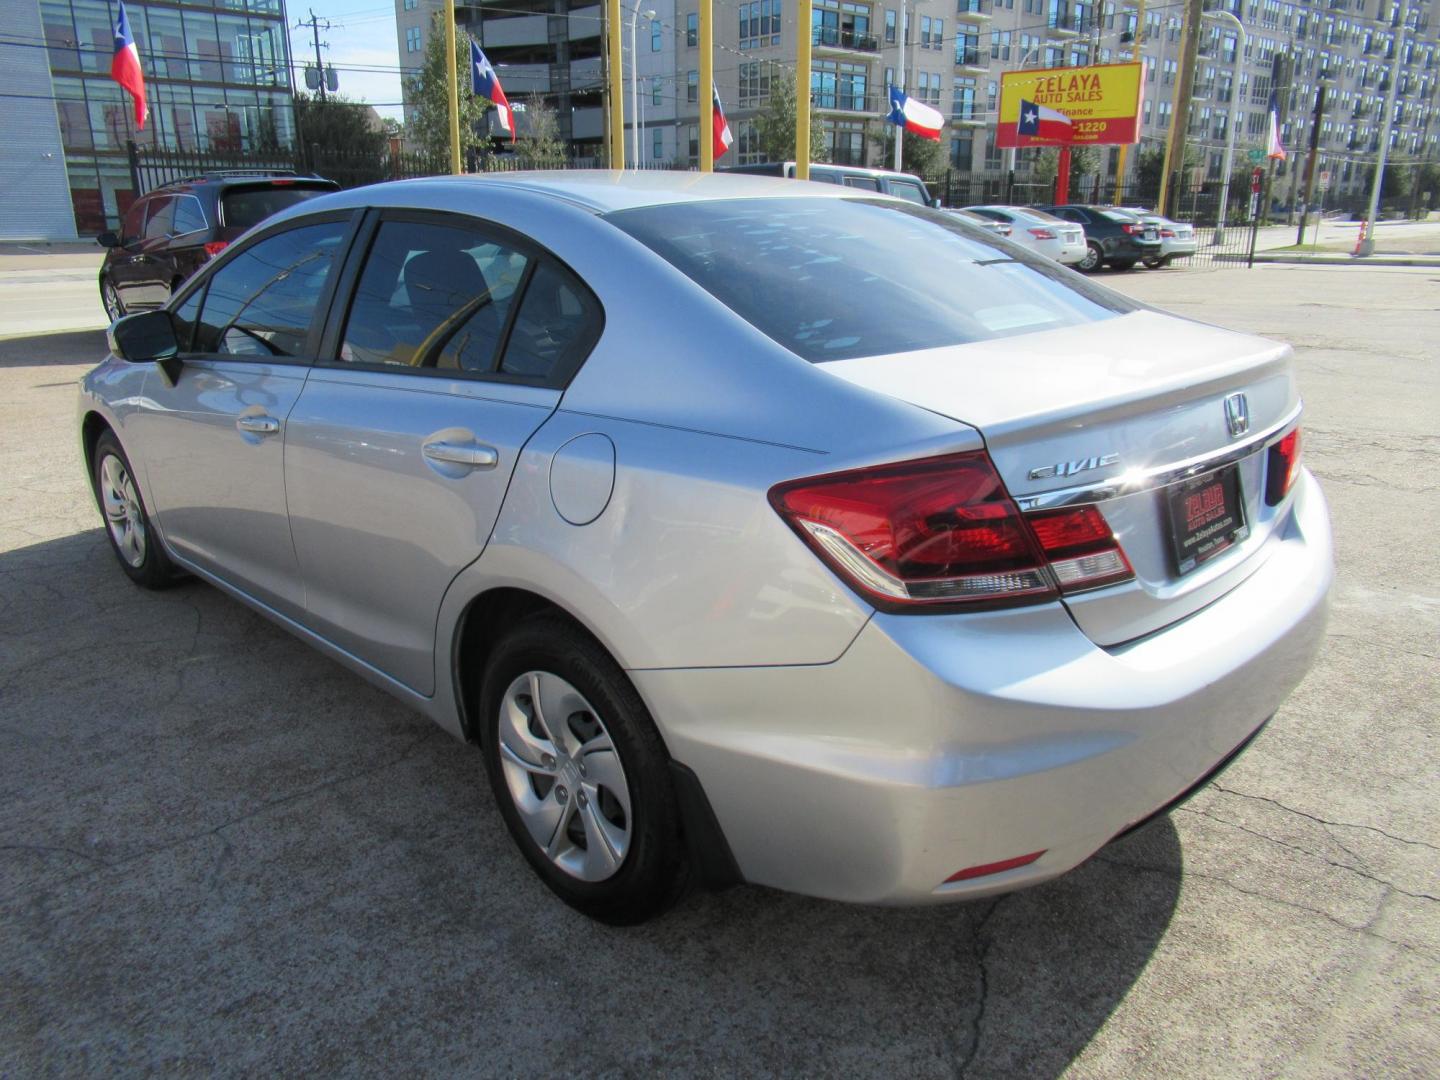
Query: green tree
point(337, 124)
point(428, 95)
point(538, 145)
point(1084, 161)
point(1425, 190)
point(776, 123)
point(925, 157)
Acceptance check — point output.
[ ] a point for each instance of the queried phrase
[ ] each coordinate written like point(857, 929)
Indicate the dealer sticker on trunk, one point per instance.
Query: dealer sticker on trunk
point(1207, 516)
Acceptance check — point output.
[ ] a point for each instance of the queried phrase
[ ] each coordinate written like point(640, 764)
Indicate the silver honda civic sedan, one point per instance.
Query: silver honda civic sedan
point(755, 530)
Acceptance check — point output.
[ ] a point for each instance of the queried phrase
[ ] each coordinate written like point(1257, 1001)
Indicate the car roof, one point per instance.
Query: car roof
point(601, 191)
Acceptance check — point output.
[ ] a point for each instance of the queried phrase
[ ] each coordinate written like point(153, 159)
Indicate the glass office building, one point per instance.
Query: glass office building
point(217, 78)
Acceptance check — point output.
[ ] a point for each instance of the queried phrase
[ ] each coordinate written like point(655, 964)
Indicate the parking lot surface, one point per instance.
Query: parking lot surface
point(222, 853)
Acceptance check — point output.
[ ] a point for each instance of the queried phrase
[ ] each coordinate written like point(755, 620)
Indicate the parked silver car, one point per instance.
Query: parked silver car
point(756, 531)
point(1053, 237)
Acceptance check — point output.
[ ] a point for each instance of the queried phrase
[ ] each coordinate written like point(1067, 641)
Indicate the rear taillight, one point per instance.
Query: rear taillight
point(944, 531)
point(1167, 234)
point(1133, 230)
point(1041, 233)
point(1080, 547)
point(214, 247)
point(1282, 467)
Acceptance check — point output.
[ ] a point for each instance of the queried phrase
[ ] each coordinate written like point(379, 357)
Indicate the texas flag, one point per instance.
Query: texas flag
point(1039, 122)
point(485, 83)
point(723, 138)
point(914, 116)
point(125, 66)
point(1274, 148)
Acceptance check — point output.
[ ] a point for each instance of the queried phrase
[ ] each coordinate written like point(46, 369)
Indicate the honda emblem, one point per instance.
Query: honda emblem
point(1237, 415)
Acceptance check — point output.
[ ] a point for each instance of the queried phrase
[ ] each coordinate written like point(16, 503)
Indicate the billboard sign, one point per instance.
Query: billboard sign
point(1084, 106)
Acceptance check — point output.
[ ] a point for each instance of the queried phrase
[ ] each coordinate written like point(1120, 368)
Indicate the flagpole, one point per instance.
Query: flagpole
point(803, 38)
point(617, 84)
point(900, 130)
point(707, 87)
point(452, 87)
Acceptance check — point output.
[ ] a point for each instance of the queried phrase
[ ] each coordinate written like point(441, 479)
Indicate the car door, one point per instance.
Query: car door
point(122, 264)
point(186, 252)
point(150, 277)
point(453, 351)
point(213, 441)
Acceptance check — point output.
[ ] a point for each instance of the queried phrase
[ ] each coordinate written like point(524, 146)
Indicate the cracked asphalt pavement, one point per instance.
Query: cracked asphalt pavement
point(220, 853)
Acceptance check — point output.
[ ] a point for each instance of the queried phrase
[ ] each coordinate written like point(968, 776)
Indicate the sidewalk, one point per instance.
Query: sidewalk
point(48, 256)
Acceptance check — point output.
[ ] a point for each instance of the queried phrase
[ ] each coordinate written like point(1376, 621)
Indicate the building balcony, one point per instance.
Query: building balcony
point(967, 115)
point(973, 9)
point(972, 59)
point(1062, 26)
point(832, 38)
point(844, 103)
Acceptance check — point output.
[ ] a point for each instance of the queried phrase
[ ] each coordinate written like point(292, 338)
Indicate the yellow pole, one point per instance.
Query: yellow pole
point(802, 89)
point(452, 85)
point(707, 87)
point(617, 85)
point(1140, 56)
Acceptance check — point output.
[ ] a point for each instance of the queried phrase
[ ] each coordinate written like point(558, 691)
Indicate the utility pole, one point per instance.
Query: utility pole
point(316, 26)
point(706, 41)
point(614, 57)
point(803, 10)
point(1140, 56)
point(1184, 91)
point(1310, 158)
point(1367, 246)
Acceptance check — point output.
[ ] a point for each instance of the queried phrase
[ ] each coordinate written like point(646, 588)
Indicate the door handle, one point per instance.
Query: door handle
point(472, 454)
point(260, 425)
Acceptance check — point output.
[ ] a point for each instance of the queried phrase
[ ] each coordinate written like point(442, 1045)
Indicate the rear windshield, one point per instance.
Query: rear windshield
point(246, 206)
point(1124, 217)
point(1041, 215)
point(832, 279)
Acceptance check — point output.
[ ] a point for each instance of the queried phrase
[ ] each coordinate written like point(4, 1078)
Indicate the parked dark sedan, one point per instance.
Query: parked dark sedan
point(169, 233)
point(1113, 237)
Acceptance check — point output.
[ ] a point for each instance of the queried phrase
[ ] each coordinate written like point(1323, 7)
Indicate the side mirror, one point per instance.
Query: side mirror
point(147, 337)
point(108, 239)
point(936, 203)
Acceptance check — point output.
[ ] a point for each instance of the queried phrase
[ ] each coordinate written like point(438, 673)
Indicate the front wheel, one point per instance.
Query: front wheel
point(127, 522)
point(111, 300)
point(1094, 256)
point(580, 773)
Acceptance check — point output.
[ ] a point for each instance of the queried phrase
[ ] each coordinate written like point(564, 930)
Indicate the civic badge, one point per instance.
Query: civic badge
point(1237, 415)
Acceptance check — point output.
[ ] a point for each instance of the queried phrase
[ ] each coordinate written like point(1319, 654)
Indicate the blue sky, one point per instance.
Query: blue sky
point(361, 36)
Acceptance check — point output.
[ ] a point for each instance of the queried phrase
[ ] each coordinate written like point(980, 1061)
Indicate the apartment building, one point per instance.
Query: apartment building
point(952, 53)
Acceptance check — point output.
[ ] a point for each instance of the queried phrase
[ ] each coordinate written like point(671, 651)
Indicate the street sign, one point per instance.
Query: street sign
point(1324, 179)
point(1255, 181)
point(1256, 156)
point(1079, 106)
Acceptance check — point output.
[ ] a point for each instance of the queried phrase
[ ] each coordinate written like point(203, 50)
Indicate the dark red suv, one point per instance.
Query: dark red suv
point(169, 233)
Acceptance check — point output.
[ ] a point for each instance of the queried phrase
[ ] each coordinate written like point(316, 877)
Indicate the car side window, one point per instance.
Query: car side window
point(133, 224)
point(189, 214)
point(160, 223)
point(261, 303)
point(433, 295)
point(869, 183)
point(824, 176)
point(909, 191)
point(555, 328)
point(1074, 215)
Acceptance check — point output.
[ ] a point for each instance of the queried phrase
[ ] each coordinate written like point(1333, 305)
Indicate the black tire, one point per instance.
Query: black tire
point(653, 873)
point(1155, 262)
point(1122, 264)
point(153, 568)
point(110, 300)
point(1094, 258)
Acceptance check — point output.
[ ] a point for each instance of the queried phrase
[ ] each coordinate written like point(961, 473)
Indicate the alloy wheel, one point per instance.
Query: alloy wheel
point(565, 776)
point(123, 515)
point(1092, 258)
point(111, 299)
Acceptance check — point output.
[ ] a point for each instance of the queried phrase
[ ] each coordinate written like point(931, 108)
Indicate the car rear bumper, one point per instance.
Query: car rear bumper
point(943, 742)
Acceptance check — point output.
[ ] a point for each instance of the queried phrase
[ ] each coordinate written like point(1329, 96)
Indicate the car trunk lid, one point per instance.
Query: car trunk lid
point(1117, 412)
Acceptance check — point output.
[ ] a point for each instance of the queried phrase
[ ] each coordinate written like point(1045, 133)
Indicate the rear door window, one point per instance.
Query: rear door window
point(909, 190)
point(242, 207)
point(867, 183)
point(189, 215)
point(262, 302)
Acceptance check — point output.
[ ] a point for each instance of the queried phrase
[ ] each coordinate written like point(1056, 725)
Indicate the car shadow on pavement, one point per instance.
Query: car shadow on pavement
point(87, 347)
point(221, 851)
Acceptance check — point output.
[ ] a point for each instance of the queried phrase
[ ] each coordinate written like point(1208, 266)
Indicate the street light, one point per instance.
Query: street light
point(635, 87)
point(1231, 121)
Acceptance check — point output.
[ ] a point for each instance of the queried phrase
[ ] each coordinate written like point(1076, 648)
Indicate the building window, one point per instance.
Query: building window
point(692, 87)
point(692, 30)
point(654, 35)
point(889, 27)
point(992, 97)
point(992, 152)
point(412, 39)
point(889, 80)
point(967, 49)
point(411, 5)
point(754, 82)
point(657, 143)
point(760, 24)
point(845, 142)
point(924, 31)
point(692, 136)
point(962, 151)
point(748, 140)
point(937, 41)
point(964, 105)
point(655, 84)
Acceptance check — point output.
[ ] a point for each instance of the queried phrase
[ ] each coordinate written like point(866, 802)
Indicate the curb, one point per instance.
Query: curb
point(1432, 261)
